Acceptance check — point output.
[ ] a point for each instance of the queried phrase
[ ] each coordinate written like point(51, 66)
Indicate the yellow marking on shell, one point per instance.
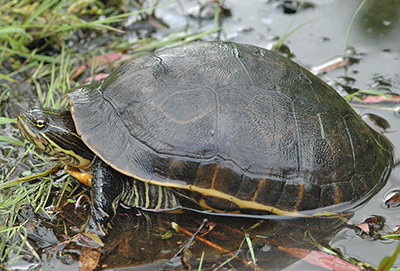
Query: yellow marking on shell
point(260, 184)
point(203, 204)
point(300, 195)
point(338, 195)
point(244, 204)
point(215, 176)
point(174, 166)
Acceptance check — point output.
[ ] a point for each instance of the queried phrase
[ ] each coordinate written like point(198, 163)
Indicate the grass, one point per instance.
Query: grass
point(10, 205)
point(40, 43)
point(280, 42)
point(52, 24)
point(346, 44)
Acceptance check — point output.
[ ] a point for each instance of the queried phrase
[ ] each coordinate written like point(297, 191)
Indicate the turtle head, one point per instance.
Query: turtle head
point(55, 134)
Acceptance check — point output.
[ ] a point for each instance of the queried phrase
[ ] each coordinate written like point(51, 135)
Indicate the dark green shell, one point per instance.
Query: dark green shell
point(235, 127)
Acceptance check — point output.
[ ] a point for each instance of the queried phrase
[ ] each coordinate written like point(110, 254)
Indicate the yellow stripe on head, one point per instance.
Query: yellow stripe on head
point(55, 134)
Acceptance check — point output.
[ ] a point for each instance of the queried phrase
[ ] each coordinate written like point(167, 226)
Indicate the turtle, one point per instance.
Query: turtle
point(217, 126)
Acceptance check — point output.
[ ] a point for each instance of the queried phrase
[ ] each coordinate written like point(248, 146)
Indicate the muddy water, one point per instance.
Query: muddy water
point(375, 42)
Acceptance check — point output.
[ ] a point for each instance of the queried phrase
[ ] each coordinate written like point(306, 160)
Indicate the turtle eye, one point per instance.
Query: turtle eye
point(40, 123)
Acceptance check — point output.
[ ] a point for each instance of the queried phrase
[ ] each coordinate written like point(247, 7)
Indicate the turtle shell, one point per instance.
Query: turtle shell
point(236, 127)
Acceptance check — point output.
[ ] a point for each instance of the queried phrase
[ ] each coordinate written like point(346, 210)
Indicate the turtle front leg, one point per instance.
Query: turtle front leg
point(107, 189)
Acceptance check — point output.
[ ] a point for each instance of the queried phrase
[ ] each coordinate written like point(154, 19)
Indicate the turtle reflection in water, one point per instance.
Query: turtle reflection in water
point(232, 127)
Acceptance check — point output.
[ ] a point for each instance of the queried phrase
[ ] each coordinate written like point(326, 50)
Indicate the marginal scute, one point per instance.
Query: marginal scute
point(227, 180)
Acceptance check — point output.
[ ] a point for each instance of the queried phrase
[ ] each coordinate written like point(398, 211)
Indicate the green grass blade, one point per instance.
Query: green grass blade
point(11, 140)
point(5, 77)
point(40, 9)
point(351, 26)
point(387, 262)
point(28, 178)
point(4, 120)
point(372, 92)
point(31, 55)
point(253, 256)
point(12, 30)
